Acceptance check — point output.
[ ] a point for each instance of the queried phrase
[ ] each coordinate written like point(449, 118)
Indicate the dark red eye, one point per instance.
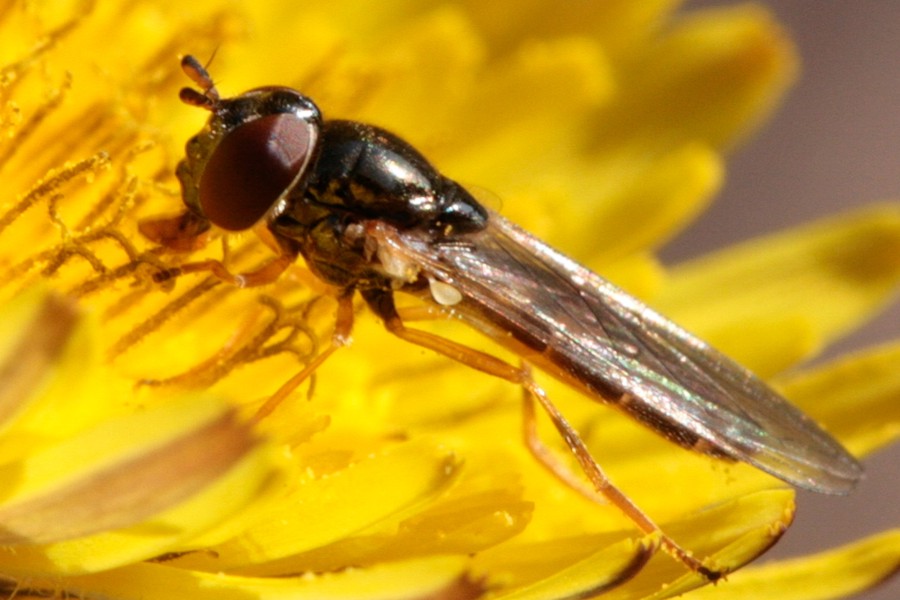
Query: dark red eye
point(251, 167)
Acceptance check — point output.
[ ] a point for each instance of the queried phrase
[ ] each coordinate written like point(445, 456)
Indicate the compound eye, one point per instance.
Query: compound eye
point(251, 167)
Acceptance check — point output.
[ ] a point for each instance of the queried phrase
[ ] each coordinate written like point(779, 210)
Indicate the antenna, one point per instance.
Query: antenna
point(208, 98)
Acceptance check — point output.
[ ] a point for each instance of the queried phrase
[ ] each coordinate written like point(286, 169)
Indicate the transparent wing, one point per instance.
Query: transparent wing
point(583, 329)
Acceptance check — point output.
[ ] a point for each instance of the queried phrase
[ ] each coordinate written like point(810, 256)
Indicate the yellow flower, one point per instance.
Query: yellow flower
point(129, 465)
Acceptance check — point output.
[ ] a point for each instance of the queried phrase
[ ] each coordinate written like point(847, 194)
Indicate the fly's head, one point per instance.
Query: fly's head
point(253, 152)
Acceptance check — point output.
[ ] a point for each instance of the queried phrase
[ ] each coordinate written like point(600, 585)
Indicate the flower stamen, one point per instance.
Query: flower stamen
point(248, 344)
point(55, 179)
point(157, 319)
point(25, 130)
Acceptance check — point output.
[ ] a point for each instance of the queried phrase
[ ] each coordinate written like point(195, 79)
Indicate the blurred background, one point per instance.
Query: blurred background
point(833, 145)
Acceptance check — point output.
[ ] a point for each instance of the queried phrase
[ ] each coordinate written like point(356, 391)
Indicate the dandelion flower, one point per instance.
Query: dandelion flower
point(131, 466)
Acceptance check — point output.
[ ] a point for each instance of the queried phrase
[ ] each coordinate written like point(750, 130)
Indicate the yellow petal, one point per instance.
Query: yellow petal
point(640, 274)
point(583, 577)
point(715, 74)
point(424, 578)
point(130, 488)
point(506, 130)
point(508, 109)
point(78, 477)
point(432, 60)
point(35, 332)
point(55, 384)
point(651, 203)
point(856, 397)
point(726, 536)
point(831, 275)
point(620, 25)
point(838, 573)
point(777, 341)
point(644, 165)
point(371, 495)
point(101, 479)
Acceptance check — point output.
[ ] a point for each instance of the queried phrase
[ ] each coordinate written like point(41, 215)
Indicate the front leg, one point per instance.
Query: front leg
point(269, 272)
point(189, 232)
point(186, 232)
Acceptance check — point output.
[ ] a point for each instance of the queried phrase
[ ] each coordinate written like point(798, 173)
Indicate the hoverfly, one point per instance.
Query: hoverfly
point(369, 214)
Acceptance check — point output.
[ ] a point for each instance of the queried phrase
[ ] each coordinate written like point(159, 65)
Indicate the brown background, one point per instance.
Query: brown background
point(834, 145)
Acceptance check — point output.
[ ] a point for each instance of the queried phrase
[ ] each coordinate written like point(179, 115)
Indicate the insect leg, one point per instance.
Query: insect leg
point(542, 453)
point(182, 233)
point(267, 273)
point(420, 313)
point(605, 487)
point(343, 325)
point(382, 302)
